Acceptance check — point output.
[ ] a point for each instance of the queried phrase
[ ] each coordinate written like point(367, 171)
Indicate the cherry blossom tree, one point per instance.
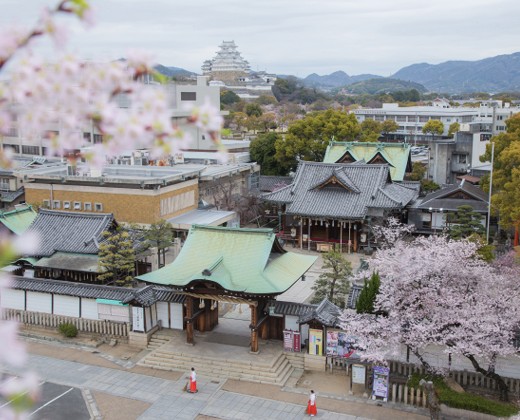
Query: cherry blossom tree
point(437, 291)
point(38, 93)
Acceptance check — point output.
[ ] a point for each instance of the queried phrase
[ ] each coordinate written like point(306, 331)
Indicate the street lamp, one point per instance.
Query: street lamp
point(490, 190)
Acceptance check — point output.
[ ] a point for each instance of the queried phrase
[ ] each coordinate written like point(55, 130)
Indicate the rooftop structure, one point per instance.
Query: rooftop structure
point(18, 220)
point(228, 59)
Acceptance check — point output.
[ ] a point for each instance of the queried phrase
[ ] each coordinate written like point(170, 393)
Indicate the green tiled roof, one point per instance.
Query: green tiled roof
point(18, 220)
point(396, 154)
point(237, 259)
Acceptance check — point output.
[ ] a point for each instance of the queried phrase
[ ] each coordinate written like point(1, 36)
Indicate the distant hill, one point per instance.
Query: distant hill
point(333, 80)
point(494, 74)
point(173, 71)
point(382, 85)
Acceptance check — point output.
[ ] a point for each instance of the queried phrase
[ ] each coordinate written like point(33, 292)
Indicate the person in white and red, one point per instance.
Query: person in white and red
point(311, 406)
point(193, 380)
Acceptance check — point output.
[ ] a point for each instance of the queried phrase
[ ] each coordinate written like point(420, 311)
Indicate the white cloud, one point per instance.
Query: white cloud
point(297, 36)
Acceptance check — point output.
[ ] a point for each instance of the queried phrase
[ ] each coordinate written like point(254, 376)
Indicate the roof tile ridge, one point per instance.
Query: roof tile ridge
point(378, 182)
point(387, 195)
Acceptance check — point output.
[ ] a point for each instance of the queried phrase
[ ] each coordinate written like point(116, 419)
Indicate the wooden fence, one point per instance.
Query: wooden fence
point(102, 327)
point(399, 392)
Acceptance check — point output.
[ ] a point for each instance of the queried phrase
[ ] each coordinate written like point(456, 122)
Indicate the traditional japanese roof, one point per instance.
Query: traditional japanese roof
point(273, 183)
point(10, 196)
point(396, 155)
point(341, 191)
point(19, 219)
point(292, 308)
point(453, 196)
point(70, 261)
point(71, 232)
point(353, 296)
point(145, 296)
point(247, 261)
point(326, 313)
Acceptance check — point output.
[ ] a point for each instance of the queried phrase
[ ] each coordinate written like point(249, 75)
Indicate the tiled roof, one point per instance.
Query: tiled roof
point(366, 186)
point(272, 183)
point(326, 312)
point(292, 308)
point(145, 296)
point(396, 154)
point(10, 196)
point(441, 198)
point(69, 231)
point(66, 261)
point(353, 295)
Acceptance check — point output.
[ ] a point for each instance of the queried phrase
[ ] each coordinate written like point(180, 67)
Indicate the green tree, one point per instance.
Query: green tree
point(506, 175)
point(418, 172)
point(116, 258)
point(262, 150)
point(433, 127)
point(464, 222)
point(228, 97)
point(428, 186)
point(367, 296)
point(370, 130)
point(268, 121)
point(333, 283)
point(388, 126)
point(454, 127)
point(159, 235)
point(307, 139)
point(253, 110)
point(240, 120)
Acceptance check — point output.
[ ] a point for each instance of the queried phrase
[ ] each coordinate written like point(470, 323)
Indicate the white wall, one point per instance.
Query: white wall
point(114, 312)
point(291, 323)
point(12, 299)
point(177, 316)
point(89, 309)
point(39, 302)
point(66, 305)
point(163, 314)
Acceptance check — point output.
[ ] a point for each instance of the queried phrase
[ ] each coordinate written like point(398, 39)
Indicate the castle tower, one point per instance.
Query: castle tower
point(228, 65)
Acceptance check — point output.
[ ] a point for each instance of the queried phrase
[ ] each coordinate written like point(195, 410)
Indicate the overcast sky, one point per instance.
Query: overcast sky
point(296, 37)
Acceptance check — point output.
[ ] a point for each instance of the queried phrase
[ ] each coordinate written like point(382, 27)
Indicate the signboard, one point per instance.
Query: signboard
point(137, 318)
point(287, 340)
point(380, 387)
point(315, 342)
point(339, 344)
point(358, 374)
point(297, 342)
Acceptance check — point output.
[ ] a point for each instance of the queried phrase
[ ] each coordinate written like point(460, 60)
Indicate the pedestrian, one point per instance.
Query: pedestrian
point(193, 381)
point(311, 405)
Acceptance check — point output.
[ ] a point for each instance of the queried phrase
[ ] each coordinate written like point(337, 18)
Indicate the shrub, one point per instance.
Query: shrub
point(464, 401)
point(68, 329)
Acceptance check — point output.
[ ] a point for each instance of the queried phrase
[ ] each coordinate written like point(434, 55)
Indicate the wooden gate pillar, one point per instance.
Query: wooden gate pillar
point(189, 320)
point(254, 330)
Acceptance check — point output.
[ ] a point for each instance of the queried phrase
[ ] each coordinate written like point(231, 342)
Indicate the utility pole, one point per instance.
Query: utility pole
point(490, 191)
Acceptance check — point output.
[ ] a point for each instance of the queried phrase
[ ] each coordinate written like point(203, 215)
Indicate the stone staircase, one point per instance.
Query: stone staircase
point(276, 371)
point(157, 341)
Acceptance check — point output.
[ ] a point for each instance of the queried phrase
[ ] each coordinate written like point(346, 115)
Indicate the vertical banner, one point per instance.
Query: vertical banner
point(137, 319)
point(380, 387)
point(288, 340)
point(315, 342)
point(297, 342)
point(332, 343)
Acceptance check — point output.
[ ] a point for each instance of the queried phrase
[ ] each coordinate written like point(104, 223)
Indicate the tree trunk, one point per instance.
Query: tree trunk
point(504, 390)
point(424, 363)
point(331, 294)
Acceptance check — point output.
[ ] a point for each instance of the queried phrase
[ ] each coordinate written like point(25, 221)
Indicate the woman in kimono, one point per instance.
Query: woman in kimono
point(193, 380)
point(311, 405)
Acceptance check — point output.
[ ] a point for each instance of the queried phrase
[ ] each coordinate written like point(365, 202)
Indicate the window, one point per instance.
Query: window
point(66, 204)
point(4, 184)
point(188, 96)
point(461, 159)
point(98, 207)
point(56, 204)
point(47, 204)
point(98, 138)
point(380, 117)
point(424, 119)
point(87, 206)
point(77, 205)
point(30, 150)
point(401, 118)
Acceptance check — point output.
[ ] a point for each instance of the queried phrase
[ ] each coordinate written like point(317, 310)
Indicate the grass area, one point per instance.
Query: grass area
point(465, 401)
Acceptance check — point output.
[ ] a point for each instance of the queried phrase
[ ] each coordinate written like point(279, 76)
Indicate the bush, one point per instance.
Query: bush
point(464, 401)
point(68, 330)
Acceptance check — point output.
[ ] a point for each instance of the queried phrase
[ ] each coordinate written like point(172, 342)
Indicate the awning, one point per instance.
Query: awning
point(202, 217)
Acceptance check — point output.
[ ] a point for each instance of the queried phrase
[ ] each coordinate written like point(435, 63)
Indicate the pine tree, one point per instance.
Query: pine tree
point(160, 236)
point(334, 282)
point(464, 223)
point(116, 258)
point(367, 296)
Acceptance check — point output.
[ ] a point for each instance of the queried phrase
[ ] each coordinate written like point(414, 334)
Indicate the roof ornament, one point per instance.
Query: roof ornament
point(206, 272)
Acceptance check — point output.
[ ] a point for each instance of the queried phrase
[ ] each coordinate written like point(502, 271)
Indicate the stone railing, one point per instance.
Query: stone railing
point(101, 327)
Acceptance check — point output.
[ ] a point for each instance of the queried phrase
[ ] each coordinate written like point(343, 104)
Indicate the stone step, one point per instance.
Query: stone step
point(220, 368)
point(170, 355)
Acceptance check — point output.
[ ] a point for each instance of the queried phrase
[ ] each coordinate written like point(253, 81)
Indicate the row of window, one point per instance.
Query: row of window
point(74, 205)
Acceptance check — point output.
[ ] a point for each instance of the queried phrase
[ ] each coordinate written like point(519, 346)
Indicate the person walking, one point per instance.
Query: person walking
point(311, 405)
point(193, 381)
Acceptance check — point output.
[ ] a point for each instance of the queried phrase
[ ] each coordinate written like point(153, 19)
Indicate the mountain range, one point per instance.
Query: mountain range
point(495, 74)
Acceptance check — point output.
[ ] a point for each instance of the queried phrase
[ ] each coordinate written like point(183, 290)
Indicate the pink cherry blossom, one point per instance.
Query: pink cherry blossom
point(12, 351)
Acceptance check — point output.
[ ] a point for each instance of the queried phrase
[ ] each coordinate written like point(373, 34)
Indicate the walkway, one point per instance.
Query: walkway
point(167, 400)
